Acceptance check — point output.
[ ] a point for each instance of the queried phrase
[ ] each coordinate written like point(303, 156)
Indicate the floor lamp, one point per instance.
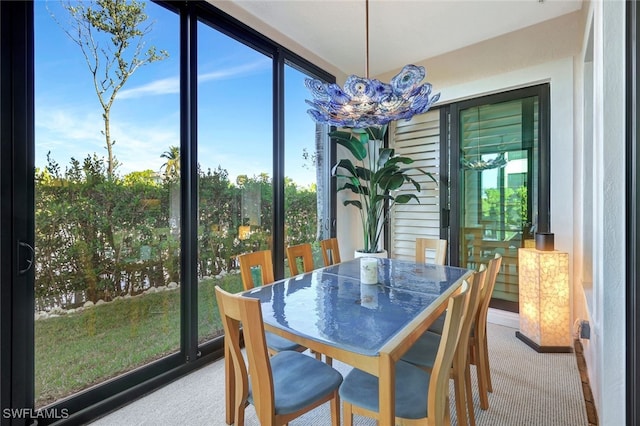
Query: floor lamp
point(544, 299)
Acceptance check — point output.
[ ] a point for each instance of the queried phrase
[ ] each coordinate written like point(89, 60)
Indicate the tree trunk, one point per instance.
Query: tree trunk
point(107, 137)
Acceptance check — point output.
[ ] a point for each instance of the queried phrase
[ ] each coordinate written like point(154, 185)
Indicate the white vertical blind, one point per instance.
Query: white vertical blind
point(418, 139)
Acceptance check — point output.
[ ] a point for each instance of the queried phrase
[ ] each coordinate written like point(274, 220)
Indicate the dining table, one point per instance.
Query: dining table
point(368, 326)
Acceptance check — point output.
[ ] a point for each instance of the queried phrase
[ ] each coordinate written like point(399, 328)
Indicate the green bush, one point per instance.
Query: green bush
point(99, 237)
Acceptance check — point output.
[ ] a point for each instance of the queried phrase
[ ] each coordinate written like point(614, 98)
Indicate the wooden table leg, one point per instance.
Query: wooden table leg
point(387, 391)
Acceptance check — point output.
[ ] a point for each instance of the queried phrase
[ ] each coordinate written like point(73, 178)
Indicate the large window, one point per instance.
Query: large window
point(147, 183)
point(235, 162)
point(307, 214)
point(107, 227)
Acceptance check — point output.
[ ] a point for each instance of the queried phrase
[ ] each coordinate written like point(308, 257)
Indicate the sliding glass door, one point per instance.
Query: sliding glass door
point(502, 182)
point(128, 192)
point(306, 172)
point(235, 163)
point(107, 227)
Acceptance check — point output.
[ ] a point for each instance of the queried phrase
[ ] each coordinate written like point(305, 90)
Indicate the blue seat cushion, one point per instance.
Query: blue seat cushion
point(299, 380)
point(280, 344)
point(438, 324)
point(412, 390)
point(424, 350)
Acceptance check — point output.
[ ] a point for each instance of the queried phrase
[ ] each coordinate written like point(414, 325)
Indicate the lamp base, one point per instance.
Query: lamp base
point(543, 349)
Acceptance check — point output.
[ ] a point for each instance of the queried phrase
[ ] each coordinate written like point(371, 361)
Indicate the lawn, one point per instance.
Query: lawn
point(77, 350)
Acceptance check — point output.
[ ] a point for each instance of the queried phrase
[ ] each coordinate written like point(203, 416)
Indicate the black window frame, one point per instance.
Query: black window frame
point(17, 162)
point(450, 156)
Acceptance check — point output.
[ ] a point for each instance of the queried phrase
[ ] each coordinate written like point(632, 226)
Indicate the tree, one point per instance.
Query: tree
point(172, 165)
point(114, 60)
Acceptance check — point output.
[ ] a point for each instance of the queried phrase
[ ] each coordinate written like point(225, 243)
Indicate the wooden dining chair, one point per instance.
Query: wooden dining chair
point(421, 398)
point(257, 259)
point(330, 251)
point(423, 353)
point(431, 250)
point(284, 386)
point(262, 259)
point(478, 345)
point(303, 252)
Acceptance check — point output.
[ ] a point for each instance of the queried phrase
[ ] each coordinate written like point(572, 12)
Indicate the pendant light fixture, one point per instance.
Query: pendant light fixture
point(368, 102)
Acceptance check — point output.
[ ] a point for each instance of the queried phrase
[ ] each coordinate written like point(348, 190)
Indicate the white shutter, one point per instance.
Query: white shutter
point(418, 139)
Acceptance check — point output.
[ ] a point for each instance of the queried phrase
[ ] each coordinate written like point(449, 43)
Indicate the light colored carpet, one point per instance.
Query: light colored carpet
point(528, 389)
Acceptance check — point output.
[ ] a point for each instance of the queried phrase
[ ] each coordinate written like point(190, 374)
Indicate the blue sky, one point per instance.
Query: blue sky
point(234, 101)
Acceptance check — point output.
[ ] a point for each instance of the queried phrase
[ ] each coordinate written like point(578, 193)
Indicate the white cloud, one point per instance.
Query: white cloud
point(68, 133)
point(163, 86)
point(171, 85)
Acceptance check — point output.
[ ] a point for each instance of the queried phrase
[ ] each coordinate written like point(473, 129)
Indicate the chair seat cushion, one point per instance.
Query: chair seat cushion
point(299, 380)
point(424, 350)
point(280, 344)
point(412, 390)
point(438, 324)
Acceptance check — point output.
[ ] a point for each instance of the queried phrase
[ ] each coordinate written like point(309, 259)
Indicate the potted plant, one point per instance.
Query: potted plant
point(376, 176)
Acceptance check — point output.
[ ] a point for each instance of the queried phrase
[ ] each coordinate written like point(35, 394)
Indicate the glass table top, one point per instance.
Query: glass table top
point(330, 305)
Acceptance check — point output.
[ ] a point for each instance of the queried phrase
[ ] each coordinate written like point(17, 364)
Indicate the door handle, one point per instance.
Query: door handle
point(444, 218)
point(29, 260)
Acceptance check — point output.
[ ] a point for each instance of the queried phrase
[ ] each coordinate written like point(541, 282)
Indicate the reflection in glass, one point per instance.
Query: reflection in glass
point(331, 305)
point(107, 229)
point(306, 206)
point(235, 162)
point(499, 146)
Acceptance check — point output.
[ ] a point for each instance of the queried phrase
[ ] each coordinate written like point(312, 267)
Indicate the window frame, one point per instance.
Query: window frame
point(17, 183)
point(450, 144)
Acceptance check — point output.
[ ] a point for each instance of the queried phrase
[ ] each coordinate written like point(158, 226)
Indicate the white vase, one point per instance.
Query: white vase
point(380, 255)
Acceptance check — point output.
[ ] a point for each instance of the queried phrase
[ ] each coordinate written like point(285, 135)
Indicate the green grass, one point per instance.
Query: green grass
point(75, 351)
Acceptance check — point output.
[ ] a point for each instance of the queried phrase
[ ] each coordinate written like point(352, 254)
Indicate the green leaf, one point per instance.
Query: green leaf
point(405, 198)
point(356, 203)
point(403, 160)
point(358, 189)
point(414, 182)
point(346, 165)
point(392, 182)
point(352, 143)
point(376, 132)
point(385, 155)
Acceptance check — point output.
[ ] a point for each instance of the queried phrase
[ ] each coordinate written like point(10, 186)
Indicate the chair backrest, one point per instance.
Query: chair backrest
point(260, 259)
point(438, 403)
point(431, 250)
point(301, 251)
point(330, 251)
point(487, 290)
point(477, 283)
point(236, 309)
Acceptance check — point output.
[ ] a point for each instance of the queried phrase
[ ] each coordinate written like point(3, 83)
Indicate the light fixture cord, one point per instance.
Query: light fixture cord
point(366, 26)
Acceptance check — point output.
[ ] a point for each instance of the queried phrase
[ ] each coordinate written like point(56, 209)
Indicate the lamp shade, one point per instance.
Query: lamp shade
point(544, 300)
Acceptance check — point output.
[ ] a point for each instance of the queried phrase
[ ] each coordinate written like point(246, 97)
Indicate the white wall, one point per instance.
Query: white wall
point(553, 52)
point(559, 74)
point(606, 350)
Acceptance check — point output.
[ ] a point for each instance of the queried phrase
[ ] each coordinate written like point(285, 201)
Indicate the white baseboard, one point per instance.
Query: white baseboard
point(500, 317)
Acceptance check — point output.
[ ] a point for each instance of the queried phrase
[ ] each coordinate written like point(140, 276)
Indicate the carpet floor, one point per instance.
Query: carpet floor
point(528, 389)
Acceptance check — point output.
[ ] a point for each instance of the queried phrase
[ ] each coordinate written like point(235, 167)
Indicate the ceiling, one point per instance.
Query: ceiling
point(400, 31)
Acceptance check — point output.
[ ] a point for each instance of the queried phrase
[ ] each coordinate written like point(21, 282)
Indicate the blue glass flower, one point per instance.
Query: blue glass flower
point(369, 102)
point(407, 79)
